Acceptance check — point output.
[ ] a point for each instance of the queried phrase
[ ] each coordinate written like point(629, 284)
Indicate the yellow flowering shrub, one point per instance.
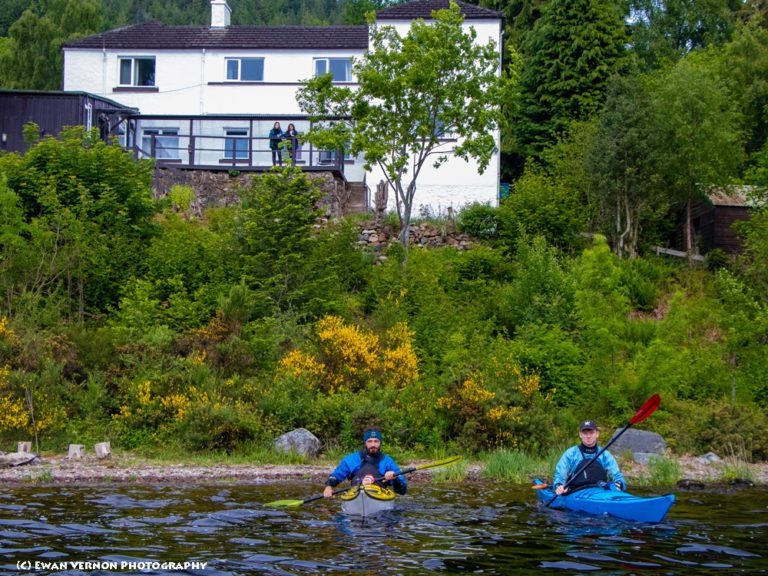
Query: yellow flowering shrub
point(400, 363)
point(6, 333)
point(13, 409)
point(176, 404)
point(478, 415)
point(348, 357)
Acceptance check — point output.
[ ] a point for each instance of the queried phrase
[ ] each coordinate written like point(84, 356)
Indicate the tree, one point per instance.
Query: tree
point(568, 59)
point(33, 58)
point(434, 80)
point(622, 172)
point(697, 135)
point(663, 31)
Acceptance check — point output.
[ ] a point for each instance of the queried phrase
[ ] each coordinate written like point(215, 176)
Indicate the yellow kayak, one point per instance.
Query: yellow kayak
point(367, 500)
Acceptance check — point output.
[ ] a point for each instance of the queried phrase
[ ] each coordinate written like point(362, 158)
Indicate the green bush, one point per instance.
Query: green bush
point(479, 221)
point(220, 428)
point(734, 430)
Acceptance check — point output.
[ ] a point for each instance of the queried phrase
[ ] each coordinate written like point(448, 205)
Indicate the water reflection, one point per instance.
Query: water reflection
point(437, 529)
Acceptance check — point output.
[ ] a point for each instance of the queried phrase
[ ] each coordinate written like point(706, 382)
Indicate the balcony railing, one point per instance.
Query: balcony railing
point(230, 142)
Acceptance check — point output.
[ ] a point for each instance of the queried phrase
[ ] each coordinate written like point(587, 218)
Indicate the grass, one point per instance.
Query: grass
point(517, 467)
point(736, 469)
point(662, 471)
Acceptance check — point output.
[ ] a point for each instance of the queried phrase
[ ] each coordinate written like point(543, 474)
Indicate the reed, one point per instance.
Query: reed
point(662, 471)
point(513, 466)
point(455, 473)
point(734, 468)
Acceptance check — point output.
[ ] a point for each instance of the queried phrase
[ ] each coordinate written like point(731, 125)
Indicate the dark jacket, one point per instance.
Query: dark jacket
point(275, 135)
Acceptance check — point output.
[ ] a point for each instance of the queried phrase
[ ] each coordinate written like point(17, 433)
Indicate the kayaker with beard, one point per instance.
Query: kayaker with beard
point(572, 465)
point(365, 466)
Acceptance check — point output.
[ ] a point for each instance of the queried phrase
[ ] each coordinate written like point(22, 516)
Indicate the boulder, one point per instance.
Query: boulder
point(644, 458)
point(709, 458)
point(18, 459)
point(638, 441)
point(300, 441)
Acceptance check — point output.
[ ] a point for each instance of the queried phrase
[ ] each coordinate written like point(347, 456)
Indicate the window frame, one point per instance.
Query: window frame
point(239, 60)
point(327, 61)
point(231, 154)
point(162, 134)
point(134, 71)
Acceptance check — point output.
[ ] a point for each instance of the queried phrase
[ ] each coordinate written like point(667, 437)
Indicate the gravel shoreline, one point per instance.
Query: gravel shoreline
point(61, 470)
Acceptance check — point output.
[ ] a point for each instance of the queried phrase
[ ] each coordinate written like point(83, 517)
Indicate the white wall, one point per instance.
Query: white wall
point(194, 82)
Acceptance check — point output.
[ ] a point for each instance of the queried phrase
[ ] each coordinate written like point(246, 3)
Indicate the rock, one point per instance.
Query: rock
point(300, 441)
point(24, 446)
point(690, 484)
point(639, 441)
point(644, 458)
point(18, 459)
point(741, 482)
point(709, 458)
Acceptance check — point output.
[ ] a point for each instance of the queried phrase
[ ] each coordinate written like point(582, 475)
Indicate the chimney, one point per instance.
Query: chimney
point(220, 14)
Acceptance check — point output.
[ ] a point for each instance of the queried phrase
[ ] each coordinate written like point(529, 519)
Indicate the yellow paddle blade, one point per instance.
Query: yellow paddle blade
point(439, 463)
point(284, 503)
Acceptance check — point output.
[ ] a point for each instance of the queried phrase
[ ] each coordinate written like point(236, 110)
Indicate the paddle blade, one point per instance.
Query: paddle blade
point(439, 463)
point(646, 409)
point(284, 503)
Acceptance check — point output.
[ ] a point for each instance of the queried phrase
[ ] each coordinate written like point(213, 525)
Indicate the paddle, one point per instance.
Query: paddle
point(446, 462)
point(645, 410)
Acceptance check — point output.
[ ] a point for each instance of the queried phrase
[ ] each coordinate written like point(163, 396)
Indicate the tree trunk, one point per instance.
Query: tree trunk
point(689, 228)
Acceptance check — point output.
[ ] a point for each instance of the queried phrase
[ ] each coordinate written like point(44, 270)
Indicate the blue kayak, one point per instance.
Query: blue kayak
point(609, 500)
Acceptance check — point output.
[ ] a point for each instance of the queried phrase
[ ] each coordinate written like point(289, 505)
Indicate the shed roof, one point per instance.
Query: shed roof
point(155, 35)
point(423, 9)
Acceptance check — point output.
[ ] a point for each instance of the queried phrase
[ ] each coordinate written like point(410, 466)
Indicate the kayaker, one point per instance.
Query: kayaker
point(366, 466)
point(573, 461)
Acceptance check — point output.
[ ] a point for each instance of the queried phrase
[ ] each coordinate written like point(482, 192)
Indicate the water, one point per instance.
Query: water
point(479, 528)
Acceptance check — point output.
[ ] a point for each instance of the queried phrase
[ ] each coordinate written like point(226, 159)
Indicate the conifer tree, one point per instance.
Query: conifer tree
point(568, 59)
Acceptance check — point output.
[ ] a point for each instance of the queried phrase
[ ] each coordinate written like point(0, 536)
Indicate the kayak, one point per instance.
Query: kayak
point(367, 500)
point(610, 501)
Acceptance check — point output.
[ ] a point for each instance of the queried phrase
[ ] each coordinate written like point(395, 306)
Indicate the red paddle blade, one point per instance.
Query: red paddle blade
point(646, 409)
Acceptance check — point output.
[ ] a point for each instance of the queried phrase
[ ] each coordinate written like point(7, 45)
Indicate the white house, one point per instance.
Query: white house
point(208, 95)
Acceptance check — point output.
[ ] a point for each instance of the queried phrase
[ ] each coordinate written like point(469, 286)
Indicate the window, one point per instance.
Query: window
point(245, 69)
point(137, 71)
point(236, 144)
point(166, 142)
point(339, 68)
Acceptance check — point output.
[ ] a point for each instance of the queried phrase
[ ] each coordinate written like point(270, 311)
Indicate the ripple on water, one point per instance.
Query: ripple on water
point(484, 528)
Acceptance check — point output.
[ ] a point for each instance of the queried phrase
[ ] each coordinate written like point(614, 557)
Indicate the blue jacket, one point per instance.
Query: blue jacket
point(352, 463)
point(572, 457)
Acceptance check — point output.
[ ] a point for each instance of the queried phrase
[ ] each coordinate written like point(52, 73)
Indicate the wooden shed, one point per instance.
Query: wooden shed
point(52, 111)
point(714, 217)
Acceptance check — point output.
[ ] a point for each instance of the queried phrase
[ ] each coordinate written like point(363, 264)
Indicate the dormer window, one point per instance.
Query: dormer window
point(339, 68)
point(137, 71)
point(245, 69)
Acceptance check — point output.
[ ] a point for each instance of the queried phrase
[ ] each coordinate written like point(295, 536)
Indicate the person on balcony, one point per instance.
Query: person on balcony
point(291, 139)
point(275, 136)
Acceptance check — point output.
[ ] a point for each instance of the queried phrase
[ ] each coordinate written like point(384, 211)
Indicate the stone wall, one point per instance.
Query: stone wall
point(219, 188)
point(424, 234)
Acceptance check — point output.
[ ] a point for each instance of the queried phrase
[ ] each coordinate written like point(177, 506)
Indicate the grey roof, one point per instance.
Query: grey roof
point(157, 36)
point(423, 9)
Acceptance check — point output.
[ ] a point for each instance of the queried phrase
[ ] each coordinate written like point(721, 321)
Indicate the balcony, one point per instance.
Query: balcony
point(230, 143)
